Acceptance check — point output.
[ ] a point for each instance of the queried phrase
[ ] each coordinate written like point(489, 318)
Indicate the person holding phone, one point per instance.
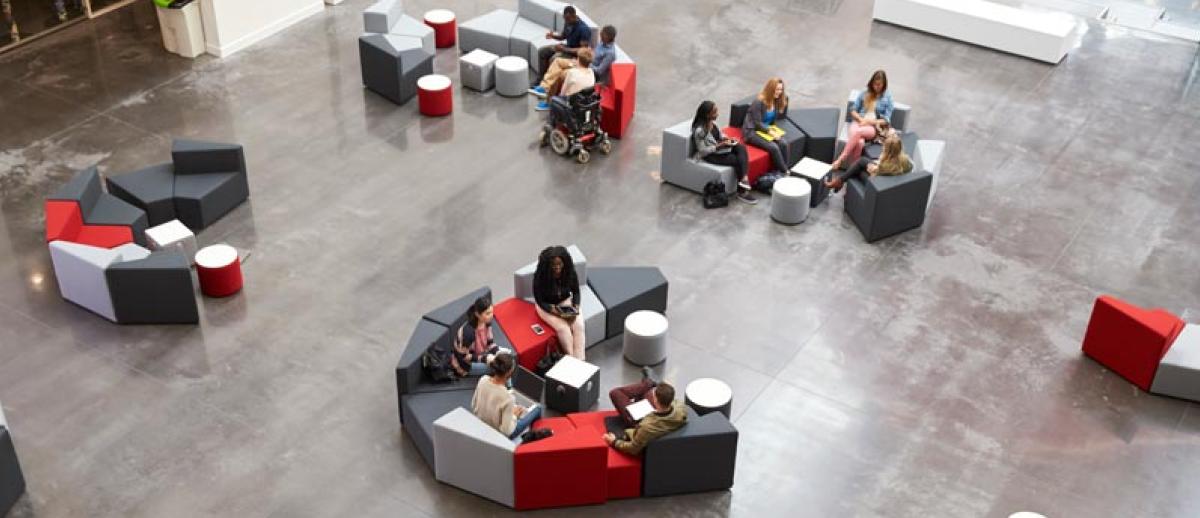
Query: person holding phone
point(556, 297)
point(713, 147)
point(493, 404)
point(770, 105)
point(474, 344)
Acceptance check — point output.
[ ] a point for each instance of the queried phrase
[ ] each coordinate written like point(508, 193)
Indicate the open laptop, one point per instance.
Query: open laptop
point(529, 386)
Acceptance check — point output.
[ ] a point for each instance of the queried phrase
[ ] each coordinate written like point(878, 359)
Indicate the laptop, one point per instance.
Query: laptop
point(528, 386)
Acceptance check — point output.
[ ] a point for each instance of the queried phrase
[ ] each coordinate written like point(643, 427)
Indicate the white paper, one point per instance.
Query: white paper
point(640, 409)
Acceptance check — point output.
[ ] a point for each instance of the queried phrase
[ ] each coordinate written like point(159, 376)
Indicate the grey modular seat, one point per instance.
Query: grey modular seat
point(820, 127)
point(156, 289)
point(421, 410)
point(152, 189)
point(489, 31)
point(678, 167)
point(391, 65)
point(12, 481)
point(794, 139)
point(521, 33)
point(883, 206)
point(698, 457)
point(1178, 373)
point(99, 207)
point(473, 456)
point(210, 181)
point(625, 289)
point(387, 17)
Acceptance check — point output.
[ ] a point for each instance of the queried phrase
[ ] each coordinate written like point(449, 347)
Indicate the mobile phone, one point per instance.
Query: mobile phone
point(537, 329)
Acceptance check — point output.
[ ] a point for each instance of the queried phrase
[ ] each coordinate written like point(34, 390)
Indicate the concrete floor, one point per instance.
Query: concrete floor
point(936, 373)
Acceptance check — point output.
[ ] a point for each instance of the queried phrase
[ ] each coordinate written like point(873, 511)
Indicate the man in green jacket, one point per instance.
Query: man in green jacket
point(668, 415)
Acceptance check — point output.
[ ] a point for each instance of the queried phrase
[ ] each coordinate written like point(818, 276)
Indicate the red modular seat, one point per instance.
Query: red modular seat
point(624, 472)
point(516, 317)
point(568, 468)
point(64, 221)
point(618, 99)
point(1130, 340)
point(435, 98)
point(759, 160)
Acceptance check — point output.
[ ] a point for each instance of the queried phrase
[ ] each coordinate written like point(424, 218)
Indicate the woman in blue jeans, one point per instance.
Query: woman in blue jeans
point(475, 344)
point(494, 404)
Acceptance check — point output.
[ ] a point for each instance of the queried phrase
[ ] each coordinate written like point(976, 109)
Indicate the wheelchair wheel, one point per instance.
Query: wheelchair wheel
point(606, 146)
point(559, 142)
point(583, 156)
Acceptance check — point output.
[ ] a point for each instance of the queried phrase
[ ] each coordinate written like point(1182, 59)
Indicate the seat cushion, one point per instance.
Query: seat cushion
point(516, 317)
point(201, 199)
point(151, 189)
point(422, 409)
point(758, 160)
point(624, 472)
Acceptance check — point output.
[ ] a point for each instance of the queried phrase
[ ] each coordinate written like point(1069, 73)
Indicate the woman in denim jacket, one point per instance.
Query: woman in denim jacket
point(871, 111)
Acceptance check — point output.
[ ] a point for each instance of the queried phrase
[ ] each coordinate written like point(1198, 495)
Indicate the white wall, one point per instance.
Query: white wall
point(232, 25)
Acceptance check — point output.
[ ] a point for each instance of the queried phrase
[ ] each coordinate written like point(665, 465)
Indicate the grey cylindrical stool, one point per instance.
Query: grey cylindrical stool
point(512, 76)
point(789, 200)
point(709, 395)
point(645, 340)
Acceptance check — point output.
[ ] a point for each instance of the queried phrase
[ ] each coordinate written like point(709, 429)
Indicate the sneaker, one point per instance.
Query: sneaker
point(542, 106)
point(646, 373)
point(538, 91)
point(746, 197)
point(743, 185)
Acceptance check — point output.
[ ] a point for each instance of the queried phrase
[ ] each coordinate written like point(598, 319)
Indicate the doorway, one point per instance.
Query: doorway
point(22, 21)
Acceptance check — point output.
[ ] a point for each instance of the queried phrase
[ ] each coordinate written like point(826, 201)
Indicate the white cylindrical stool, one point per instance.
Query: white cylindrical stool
point(512, 76)
point(645, 341)
point(789, 200)
point(709, 395)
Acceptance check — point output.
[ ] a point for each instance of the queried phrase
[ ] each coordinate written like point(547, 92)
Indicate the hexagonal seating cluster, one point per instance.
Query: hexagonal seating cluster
point(574, 466)
point(1152, 348)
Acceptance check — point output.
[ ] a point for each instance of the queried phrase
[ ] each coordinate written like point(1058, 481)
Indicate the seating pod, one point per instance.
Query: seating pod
point(567, 468)
point(12, 481)
point(793, 138)
point(473, 456)
point(391, 65)
point(522, 33)
point(678, 167)
point(625, 289)
point(210, 181)
point(698, 457)
point(883, 206)
point(618, 97)
point(419, 410)
point(1129, 340)
point(623, 472)
point(153, 289)
point(80, 211)
point(151, 189)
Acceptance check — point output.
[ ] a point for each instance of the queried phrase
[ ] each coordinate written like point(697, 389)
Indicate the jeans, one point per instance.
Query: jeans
point(622, 397)
point(477, 369)
point(524, 421)
point(736, 158)
point(856, 139)
point(773, 148)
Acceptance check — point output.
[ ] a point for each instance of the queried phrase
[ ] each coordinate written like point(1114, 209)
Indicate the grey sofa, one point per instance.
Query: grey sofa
point(521, 33)
point(882, 206)
point(701, 456)
point(679, 168)
point(625, 289)
point(99, 207)
point(794, 138)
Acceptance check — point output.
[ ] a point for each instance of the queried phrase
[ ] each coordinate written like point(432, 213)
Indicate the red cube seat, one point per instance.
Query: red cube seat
point(516, 317)
point(618, 99)
point(567, 468)
point(1130, 340)
point(624, 472)
point(758, 161)
point(64, 221)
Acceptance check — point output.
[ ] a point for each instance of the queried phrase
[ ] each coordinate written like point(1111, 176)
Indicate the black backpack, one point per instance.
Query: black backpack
point(436, 362)
point(767, 181)
point(715, 195)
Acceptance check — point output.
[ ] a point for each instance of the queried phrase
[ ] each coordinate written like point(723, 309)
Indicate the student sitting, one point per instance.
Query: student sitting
point(714, 148)
point(475, 343)
point(573, 80)
point(494, 404)
point(575, 36)
point(602, 61)
point(872, 110)
point(668, 414)
point(891, 162)
point(556, 297)
point(770, 106)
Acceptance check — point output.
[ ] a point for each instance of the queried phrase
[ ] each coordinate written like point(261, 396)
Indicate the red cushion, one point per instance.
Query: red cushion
point(1130, 340)
point(515, 317)
point(624, 472)
point(565, 469)
point(64, 221)
point(618, 99)
point(759, 160)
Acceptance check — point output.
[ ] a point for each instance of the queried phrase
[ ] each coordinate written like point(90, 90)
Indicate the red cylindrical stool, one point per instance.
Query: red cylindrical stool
point(219, 270)
point(445, 29)
point(434, 96)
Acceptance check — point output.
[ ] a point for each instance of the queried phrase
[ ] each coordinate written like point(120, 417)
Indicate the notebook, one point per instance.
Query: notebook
point(773, 132)
point(640, 409)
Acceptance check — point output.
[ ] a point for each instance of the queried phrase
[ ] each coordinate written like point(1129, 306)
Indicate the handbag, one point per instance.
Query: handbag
point(767, 181)
point(714, 195)
point(548, 360)
point(536, 434)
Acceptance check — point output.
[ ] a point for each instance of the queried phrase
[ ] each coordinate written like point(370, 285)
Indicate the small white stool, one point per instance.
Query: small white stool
point(512, 76)
point(789, 200)
point(709, 395)
point(172, 234)
point(476, 70)
point(645, 340)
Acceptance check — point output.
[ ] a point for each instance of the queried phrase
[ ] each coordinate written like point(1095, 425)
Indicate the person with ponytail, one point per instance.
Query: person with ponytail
point(493, 404)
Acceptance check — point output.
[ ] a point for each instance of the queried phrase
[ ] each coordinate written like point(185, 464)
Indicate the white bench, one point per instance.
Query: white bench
point(1040, 35)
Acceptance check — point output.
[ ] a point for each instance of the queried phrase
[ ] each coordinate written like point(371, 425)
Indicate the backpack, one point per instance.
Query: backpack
point(715, 195)
point(767, 181)
point(436, 363)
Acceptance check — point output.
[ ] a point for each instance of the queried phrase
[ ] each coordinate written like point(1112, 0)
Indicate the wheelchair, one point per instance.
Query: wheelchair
point(573, 127)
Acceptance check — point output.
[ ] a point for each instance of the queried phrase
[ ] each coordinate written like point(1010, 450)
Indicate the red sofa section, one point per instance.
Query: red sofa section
point(618, 99)
point(565, 469)
point(759, 161)
point(64, 221)
point(623, 472)
point(1130, 340)
point(515, 317)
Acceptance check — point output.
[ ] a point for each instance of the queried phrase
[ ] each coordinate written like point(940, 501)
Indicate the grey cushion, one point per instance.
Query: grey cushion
point(422, 409)
point(12, 481)
point(882, 206)
point(679, 168)
point(201, 199)
point(489, 32)
point(391, 65)
point(409, 26)
point(820, 127)
point(473, 456)
point(698, 457)
point(151, 189)
point(453, 314)
point(382, 15)
point(526, 40)
point(546, 13)
point(154, 290)
point(625, 289)
point(1178, 373)
point(84, 188)
point(201, 157)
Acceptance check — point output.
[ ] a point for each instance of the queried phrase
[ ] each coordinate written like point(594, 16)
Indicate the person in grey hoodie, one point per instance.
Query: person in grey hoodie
point(713, 147)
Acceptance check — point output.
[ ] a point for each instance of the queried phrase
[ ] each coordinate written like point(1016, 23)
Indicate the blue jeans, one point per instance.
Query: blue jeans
point(525, 421)
point(477, 369)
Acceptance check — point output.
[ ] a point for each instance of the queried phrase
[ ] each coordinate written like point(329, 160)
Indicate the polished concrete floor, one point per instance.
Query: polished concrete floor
point(936, 373)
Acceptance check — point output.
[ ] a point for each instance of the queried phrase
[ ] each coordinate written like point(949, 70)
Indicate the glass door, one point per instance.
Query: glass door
point(24, 20)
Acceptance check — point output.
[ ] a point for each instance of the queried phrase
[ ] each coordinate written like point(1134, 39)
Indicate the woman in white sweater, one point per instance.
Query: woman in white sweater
point(494, 404)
